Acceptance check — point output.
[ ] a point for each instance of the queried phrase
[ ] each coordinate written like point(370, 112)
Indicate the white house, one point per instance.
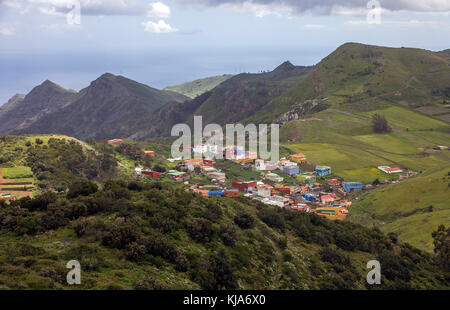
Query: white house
point(264, 190)
point(274, 177)
point(389, 170)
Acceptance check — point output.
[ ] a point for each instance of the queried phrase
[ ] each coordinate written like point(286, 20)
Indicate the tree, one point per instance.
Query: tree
point(227, 234)
point(244, 220)
point(82, 188)
point(442, 246)
point(380, 124)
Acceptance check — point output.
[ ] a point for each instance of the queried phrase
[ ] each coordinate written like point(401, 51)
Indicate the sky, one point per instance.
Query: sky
point(162, 43)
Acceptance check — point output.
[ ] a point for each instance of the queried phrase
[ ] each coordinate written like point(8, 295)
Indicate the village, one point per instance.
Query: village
point(291, 182)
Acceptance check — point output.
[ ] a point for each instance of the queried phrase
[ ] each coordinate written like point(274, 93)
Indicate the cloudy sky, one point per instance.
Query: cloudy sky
point(166, 42)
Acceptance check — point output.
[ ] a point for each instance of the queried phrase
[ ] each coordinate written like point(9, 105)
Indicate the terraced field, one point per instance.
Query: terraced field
point(17, 181)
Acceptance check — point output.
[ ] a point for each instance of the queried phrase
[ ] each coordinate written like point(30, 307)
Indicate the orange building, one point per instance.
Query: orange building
point(195, 162)
point(298, 158)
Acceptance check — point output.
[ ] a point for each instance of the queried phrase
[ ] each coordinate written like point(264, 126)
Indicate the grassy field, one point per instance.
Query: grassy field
point(404, 207)
point(17, 173)
point(345, 143)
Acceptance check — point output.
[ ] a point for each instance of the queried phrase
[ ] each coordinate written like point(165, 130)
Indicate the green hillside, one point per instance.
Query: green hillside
point(359, 77)
point(146, 234)
point(234, 100)
point(155, 236)
point(346, 143)
point(200, 86)
point(330, 114)
point(411, 209)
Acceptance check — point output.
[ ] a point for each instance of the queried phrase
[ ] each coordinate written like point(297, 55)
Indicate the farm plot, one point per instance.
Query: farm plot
point(16, 181)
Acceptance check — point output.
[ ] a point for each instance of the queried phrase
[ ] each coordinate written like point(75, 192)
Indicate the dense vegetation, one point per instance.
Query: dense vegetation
point(152, 236)
point(57, 161)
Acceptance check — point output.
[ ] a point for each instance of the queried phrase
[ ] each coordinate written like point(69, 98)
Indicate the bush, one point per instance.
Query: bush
point(380, 124)
point(201, 230)
point(149, 283)
point(227, 234)
point(135, 251)
point(272, 218)
point(244, 221)
point(82, 188)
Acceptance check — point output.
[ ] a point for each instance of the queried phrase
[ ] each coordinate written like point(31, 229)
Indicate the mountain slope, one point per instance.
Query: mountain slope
point(44, 99)
point(200, 86)
point(109, 108)
point(412, 209)
point(11, 103)
point(330, 115)
point(231, 101)
point(359, 77)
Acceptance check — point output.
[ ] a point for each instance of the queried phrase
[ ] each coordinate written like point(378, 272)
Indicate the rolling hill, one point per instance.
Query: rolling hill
point(359, 77)
point(198, 87)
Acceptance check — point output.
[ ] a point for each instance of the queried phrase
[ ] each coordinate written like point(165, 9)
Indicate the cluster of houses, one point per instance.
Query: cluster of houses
point(307, 195)
point(328, 198)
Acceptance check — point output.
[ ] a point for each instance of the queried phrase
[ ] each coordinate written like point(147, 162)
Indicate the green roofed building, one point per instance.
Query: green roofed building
point(306, 178)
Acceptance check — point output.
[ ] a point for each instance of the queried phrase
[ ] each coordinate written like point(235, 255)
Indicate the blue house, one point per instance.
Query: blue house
point(323, 171)
point(310, 197)
point(216, 193)
point(352, 186)
point(291, 170)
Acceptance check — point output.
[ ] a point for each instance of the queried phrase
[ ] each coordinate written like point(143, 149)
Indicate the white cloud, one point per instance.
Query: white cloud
point(325, 7)
point(158, 10)
point(88, 7)
point(159, 27)
point(6, 31)
point(260, 9)
point(314, 26)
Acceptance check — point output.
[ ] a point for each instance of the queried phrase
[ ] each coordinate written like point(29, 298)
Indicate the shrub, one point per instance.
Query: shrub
point(201, 230)
point(82, 188)
point(272, 218)
point(149, 283)
point(244, 221)
point(227, 234)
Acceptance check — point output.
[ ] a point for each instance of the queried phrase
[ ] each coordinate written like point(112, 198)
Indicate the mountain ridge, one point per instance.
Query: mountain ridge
point(107, 108)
